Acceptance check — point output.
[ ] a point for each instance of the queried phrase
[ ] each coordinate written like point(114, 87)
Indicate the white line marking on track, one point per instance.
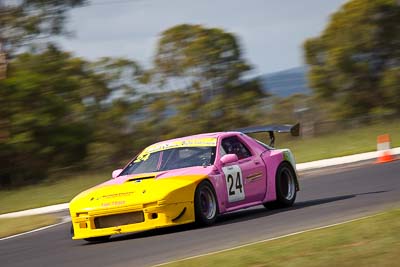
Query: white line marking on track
point(63, 220)
point(270, 239)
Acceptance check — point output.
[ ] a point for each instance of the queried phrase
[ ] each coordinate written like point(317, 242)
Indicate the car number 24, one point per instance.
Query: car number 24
point(234, 183)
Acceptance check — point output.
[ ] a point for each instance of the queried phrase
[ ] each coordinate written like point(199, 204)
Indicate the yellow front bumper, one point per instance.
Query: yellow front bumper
point(155, 215)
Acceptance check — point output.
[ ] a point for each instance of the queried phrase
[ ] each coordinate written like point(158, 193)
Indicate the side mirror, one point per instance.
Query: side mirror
point(229, 158)
point(116, 173)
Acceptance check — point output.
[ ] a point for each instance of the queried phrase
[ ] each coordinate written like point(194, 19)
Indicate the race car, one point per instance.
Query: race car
point(186, 180)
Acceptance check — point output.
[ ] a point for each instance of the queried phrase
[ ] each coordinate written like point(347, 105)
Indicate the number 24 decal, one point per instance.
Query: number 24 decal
point(234, 183)
point(238, 184)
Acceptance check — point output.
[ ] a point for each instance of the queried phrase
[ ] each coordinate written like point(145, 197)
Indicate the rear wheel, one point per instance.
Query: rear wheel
point(285, 187)
point(205, 204)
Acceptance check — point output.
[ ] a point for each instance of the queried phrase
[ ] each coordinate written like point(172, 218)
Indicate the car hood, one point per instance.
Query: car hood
point(162, 175)
point(139, 189)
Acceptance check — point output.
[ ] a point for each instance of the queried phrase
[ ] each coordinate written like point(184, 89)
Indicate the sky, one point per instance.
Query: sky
point(271, 32)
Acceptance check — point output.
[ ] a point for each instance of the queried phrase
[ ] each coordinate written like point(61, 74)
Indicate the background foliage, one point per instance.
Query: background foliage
point(59, 113)
point(355, 61)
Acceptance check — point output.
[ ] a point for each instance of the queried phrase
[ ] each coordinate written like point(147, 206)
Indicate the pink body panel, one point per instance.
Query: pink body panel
point(272, 159)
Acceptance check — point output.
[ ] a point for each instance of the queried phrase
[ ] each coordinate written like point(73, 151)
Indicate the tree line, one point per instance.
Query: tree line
point(60, 113)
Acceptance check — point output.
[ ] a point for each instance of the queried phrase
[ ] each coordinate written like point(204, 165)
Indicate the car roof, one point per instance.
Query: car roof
point(203, 135)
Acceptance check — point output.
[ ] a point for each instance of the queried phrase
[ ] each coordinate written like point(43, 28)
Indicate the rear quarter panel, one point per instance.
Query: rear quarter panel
point(272, 159)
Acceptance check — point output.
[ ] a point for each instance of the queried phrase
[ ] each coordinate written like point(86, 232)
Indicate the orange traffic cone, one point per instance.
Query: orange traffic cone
point(383, 144)
point(386, 156)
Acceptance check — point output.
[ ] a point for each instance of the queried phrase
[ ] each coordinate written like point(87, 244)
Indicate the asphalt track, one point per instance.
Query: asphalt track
point(325, 198)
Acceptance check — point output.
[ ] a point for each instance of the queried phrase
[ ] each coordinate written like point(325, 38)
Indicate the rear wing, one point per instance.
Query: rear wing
point(271, 129)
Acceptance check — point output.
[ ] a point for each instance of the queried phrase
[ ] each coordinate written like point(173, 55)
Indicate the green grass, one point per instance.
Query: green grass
point(347, 142)
point(12, 226)
point(51, 192)
point(373, 241)
point(63, 189)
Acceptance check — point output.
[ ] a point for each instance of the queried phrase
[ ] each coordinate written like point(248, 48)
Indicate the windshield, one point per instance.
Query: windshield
point(171, 159)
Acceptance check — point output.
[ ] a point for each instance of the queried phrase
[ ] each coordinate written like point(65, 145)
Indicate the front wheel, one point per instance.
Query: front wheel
point(97, 239)
point(205, 204)
point(71, 231)
point(285, 187)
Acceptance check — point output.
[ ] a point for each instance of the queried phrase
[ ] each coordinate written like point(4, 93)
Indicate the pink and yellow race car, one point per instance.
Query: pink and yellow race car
point(189, 179)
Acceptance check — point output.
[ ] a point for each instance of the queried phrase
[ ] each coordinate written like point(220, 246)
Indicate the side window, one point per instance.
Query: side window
point(232, 145)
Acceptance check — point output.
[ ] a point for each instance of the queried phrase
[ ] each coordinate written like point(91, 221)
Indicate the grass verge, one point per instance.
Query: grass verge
point(342, 143)
point(374, 241)
point(51, 192)
point(13, 226)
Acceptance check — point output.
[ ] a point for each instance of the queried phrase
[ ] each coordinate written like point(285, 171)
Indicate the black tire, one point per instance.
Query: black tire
point(71, 231)
point(205, 204)
point(286, 187)
point(98, 239)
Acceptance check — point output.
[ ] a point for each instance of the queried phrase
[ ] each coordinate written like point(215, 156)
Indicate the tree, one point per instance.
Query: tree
point(206, 67)
point(58, 112)
point(42, 108)
point(25, 20)
point(193, 57)
point(354, 61)
point(111, 110)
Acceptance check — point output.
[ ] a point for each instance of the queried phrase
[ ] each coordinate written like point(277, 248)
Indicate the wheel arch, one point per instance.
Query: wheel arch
point(280, 200)
point(273, 164)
